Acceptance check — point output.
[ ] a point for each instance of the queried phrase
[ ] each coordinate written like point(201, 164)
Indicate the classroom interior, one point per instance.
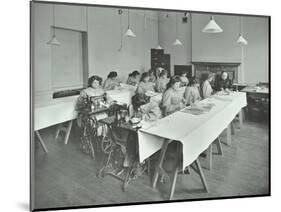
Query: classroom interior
point(94, 40)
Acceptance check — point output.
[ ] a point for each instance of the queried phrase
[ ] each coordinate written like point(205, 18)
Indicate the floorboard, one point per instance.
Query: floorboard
point(67, 177)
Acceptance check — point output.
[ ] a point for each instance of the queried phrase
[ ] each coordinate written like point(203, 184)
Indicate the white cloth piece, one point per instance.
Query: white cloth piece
point(195, 132)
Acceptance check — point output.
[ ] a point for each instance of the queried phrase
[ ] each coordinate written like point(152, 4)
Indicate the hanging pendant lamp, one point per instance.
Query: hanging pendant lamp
point(241, 40)
point(159, 47)
point(212, 27)
point(54, 40)
point(129, 32)
point(177, 42)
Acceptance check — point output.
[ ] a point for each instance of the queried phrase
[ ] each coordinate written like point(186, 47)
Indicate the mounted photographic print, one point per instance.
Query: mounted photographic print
point(141, 105)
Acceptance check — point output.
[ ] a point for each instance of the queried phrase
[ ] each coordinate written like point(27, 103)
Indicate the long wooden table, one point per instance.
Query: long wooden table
point(194, 132)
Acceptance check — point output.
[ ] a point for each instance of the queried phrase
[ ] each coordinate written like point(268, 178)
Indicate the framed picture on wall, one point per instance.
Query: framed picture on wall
point(141, 105)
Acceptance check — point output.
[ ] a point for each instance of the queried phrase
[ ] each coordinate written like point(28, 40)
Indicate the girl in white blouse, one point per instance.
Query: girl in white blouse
point(172, 99)
point(191, 94)
point(184, 79)
point(206, 88)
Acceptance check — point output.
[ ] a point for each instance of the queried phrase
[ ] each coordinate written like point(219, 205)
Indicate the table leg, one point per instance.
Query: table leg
point(173, 185)
point(241, 115)
point(219, 147)
point(158, 167)
point(176, 171)
point(187, 170)
point(228, 134)
point(68, 130)
point(232, 128)
point(58, 131)
point(209, 157)
point(201, 174)
point(41, 141)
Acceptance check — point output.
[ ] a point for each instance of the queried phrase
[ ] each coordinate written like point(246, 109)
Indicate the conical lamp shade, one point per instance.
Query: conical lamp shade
point(53, 41)
point(212, 27)
point(130, 33)
point(241, 40)
point(159, 47)
point(177, 42)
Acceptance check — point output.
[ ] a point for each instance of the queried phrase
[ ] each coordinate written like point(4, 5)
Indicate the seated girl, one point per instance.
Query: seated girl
point(184, 79)
point(144, 84)
point(133, 78)
point(147, 111)
point(111, 82)
point(206, 88)
point(191, 93)
point(152, 77)
point(158, 70)
point(161, 82)
point(172, 99)
point(93, 90)
point(144, 108)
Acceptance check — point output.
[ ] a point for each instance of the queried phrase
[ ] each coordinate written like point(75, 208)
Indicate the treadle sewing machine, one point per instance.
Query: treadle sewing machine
point(91, 110)
point(121, 149)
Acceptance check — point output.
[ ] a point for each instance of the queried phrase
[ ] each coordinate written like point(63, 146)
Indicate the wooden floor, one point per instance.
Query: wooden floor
point(67, 177)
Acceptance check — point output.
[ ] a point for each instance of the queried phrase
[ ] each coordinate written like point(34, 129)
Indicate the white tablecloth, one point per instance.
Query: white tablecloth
point(195, 132)
point(63, 109)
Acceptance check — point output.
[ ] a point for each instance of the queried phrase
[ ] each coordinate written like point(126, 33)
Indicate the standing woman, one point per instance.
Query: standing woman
point(133, 78)
point(191, 93)
point(223, 83)
point(161, 82)
point(111, 82)
point(172, 99)
point(206, 88)
point(144, 84)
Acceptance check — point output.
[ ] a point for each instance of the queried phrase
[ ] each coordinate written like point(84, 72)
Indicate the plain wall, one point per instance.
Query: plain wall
point(219, 47)
point(256, 54)
point(105, 31)
point(215, 47)
point(180, 55)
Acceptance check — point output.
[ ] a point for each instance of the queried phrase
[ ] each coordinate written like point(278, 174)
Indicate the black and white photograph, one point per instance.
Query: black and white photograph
point(136, 105)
